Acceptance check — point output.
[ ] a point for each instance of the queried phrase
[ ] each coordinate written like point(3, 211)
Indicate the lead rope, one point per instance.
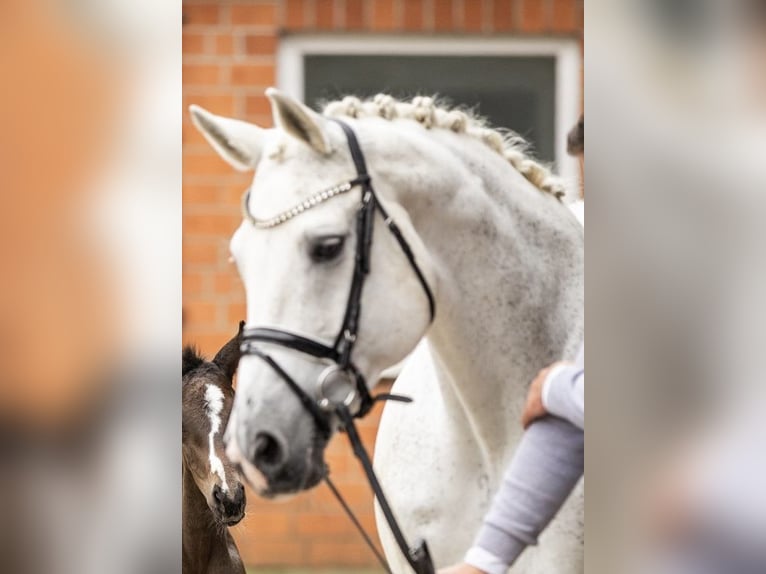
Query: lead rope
point(417, 557)
point(357, 524)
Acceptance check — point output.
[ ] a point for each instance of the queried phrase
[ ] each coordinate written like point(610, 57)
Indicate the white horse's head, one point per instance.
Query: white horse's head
point(297, 275)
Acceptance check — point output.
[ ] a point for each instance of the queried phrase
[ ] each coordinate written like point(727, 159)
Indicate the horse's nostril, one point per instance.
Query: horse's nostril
point(268, 453)
point(218, 494)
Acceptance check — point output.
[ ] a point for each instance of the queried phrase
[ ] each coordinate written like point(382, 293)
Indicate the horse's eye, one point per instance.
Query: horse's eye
point(326, 248)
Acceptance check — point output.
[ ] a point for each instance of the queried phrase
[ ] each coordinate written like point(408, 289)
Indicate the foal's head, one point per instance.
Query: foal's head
point(208, 396)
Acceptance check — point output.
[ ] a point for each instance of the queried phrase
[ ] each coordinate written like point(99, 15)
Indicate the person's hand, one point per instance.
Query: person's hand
point(461, 569)
point(534, 407)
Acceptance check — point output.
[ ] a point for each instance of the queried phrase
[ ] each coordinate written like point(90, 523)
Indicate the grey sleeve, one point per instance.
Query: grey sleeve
point(564, 391)
point(545, 468)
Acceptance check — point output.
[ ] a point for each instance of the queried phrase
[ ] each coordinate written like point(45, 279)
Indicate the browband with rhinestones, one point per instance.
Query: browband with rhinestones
point(313, 201)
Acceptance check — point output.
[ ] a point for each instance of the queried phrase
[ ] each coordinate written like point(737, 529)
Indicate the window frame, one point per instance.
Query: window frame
point(565, 51)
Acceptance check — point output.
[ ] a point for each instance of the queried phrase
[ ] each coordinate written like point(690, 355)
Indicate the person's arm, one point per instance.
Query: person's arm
point(546, 467)
point(558, 390)
point(563, 394)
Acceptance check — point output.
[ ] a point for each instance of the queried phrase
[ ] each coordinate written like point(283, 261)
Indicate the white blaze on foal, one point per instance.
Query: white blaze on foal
point(213, 407)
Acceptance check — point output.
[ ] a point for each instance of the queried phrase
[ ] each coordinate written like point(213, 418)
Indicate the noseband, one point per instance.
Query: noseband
point(341, 388)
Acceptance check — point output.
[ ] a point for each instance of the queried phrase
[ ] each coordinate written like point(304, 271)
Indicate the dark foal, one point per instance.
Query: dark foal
point(213, 496)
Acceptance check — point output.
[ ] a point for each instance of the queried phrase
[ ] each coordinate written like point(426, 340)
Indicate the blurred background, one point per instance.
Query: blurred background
point(675, 311)
point(90, 293)
point(517, 62)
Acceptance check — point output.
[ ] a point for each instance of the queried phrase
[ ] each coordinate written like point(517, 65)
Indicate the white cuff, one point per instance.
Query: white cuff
point(485, 561)
point(552, 374)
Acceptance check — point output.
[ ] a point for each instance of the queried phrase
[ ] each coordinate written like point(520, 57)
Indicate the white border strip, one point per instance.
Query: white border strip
point(293, 49)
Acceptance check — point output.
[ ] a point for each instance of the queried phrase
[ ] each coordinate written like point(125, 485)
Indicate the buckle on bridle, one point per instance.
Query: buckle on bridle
point(336, 387)
point(349, 337)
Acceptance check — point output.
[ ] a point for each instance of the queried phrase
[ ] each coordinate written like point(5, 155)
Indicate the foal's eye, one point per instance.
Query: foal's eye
point(326, 248)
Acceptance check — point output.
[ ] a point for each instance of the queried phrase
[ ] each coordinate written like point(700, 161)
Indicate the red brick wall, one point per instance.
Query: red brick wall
point(229, 52)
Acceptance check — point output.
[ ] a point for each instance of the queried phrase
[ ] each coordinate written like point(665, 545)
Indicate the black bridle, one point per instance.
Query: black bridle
point(341, 388)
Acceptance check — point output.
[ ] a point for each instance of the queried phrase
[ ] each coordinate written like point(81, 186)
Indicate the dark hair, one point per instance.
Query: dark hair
point(576, 138)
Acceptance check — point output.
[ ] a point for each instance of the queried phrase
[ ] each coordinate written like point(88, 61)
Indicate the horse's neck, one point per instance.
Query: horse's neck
point(200, 535)
point(509, 271)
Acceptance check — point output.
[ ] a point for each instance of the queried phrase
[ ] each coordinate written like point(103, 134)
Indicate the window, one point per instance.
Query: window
point(529, 85)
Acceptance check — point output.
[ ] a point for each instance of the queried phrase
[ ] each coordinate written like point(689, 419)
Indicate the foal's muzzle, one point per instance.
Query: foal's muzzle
point(230, 505)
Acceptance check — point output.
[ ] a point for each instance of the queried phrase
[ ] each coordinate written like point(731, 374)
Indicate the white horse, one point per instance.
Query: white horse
point(503, 256)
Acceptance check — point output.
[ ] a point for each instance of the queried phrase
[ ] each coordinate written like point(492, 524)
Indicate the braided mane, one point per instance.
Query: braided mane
point(430, 114)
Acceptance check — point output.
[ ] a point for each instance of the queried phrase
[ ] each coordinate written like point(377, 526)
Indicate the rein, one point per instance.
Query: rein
point(341, 388)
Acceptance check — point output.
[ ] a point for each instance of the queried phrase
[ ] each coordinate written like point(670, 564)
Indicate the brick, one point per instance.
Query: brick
point(269, 553)
point(473, 14)
point(533, 16)
point(580, 15)
point(231, 195)
point(193, 43)
point(201, 74)
point(199, 253)
point(207, 163)
point(257, 105)
point(325, 14)
point(227, 283)
point(354, 14)
point(367, 434)
point(200, 14)
point(357, 495)
point(502, 15)
point(443, 15)
point(353, 554)
point(564, 16)
point(193, 284)
point(261, 524)
point(224, 44)
point(190, 135)
point(236, 312)
point(259, 14)
point(322, 525)
point(200, 313)
point(199, 194)
point(294, 14)
point(211, 224)
point(293, 506)
point(383, 15)
point(413, 15)
point(252, 74)
point(260, 44)
point(221, 104)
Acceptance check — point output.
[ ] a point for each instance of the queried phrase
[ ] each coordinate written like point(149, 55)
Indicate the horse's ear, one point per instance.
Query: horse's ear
point(239, 143)
point(299, 121)
point(228, 357)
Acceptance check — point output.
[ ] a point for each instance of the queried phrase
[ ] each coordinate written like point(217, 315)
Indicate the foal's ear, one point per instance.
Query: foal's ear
point(299, 121)
point(191, 359)
point(228, 357)
point(239, 143)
